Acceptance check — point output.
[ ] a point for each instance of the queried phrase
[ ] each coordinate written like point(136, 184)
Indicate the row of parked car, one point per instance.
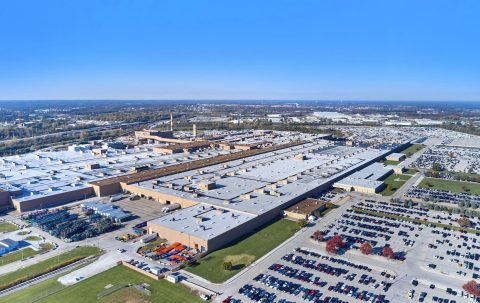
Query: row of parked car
point(333, 259)
point(257, 294)
point(294, 289)
point(357, 294)
point(144, 266)
point(300, 275)
point(312, 264)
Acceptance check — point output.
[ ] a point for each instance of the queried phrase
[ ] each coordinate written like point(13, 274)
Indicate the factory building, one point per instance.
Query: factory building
point(224, 193)
point(367, 180)
point(240, 195)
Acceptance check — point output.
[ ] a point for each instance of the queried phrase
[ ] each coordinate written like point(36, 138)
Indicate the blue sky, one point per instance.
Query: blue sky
point(154, 49)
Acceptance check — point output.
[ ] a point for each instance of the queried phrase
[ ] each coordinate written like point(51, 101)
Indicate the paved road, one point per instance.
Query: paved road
point(77, 131)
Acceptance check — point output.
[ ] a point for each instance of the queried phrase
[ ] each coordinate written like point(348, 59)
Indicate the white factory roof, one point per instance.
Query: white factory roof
point(352, 182)
point(42, 174)
point(203, 221)
point(368, 177)
point(261, 183)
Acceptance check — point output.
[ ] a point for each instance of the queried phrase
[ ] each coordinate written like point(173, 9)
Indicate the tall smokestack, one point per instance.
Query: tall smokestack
point(194, 130)
point(171, 122)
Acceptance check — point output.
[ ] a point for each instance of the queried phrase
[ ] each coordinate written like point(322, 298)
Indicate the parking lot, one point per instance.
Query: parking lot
point(430, 263)
point(451, 158)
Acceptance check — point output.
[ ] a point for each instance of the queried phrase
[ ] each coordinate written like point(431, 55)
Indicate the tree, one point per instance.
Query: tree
point(331, 247)
point(318, 235)
point(472, 288)
point(366, 248)
point(464, 222)
point(227, 265)
point(302, 223)
point(388, 252)
point(334, 244)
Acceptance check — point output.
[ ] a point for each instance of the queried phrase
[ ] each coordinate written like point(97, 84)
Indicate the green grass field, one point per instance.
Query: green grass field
point(7, 227)
point(86, 291)
point(391, 162)
point(451, 185)
point(394, 182)
point(243, 252)
point(410, 171)
point(27, 252)
point(33, 238)
point(43, 266)
point(412, 149)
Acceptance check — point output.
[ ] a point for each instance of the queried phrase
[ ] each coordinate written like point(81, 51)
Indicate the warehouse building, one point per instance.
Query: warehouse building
point(367, 180)
point(305, 208)
point(46, 179)
point(202, 226)
point(254, 189)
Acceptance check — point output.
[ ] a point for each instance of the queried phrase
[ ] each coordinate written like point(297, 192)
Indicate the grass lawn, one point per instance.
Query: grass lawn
point(410, 171)
point(33, 238)
point(27, 252)
point(87, 290)
point(451, 185)
point(394, 182)
point(43, 266)
point(412, 149)
point(243, 252)
point(391, 162)
point(7, 227)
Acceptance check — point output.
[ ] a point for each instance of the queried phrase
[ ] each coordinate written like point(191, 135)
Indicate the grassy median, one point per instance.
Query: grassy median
point(412, 149)
point(244, 252)
point(7, 227)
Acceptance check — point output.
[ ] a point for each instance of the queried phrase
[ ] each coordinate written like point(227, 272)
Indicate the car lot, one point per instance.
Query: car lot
point(308, 273)
point(451, 158)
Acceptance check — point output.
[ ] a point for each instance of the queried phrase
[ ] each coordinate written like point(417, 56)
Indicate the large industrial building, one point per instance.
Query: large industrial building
point(240, 195)
point(227, 185)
